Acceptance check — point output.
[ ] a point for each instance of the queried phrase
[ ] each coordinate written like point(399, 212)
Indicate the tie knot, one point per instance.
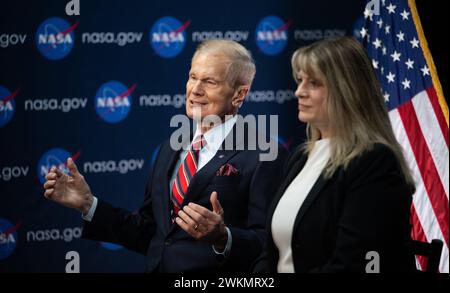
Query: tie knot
point(199, 143)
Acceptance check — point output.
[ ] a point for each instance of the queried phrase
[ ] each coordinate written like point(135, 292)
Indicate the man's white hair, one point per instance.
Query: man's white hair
point(242, 68)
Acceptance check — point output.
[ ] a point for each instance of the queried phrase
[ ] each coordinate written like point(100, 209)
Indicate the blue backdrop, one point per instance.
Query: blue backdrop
point(103, 86)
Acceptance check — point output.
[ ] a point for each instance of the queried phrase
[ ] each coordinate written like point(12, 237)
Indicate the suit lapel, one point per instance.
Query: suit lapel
point(310, 198)
point(312, 195)
point(166, 200)
point(204, 176)
point(292, 173)
point(293, 170)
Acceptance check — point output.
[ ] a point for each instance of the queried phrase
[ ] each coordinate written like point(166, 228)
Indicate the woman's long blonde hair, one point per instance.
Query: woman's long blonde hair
point(355, 106)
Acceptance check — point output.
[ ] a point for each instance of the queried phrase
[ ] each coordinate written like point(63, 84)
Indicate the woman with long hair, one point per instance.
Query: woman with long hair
point(345, 202)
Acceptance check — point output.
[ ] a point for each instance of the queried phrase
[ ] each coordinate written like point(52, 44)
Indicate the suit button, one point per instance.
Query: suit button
point(168, 242)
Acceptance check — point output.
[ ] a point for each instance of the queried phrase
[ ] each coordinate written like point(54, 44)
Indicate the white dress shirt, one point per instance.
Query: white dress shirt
point(214, 139)
point(289, 205)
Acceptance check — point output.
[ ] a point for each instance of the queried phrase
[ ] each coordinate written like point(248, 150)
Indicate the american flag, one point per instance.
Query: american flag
point(394, 39)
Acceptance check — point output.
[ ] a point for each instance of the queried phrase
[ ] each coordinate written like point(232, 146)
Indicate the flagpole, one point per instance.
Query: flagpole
point(429, 59)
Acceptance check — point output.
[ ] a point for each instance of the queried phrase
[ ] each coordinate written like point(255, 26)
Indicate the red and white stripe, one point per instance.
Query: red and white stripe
point(421, 129)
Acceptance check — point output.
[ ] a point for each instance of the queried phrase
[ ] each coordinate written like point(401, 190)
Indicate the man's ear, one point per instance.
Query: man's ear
point(241, 93)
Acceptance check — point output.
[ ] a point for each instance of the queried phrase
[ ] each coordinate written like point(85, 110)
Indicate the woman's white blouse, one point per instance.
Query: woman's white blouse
point(291, 201)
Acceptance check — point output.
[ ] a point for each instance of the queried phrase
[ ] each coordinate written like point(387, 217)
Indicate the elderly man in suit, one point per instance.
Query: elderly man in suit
point(205, 205)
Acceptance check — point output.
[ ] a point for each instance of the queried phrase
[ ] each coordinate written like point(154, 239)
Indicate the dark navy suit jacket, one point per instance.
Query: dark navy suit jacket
point(360, 209)
point(244, 197)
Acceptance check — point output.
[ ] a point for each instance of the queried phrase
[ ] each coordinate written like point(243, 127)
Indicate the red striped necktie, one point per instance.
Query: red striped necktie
point(185, 173)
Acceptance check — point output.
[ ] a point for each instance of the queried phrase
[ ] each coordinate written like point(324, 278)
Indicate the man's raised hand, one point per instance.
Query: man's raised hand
point(68, 190)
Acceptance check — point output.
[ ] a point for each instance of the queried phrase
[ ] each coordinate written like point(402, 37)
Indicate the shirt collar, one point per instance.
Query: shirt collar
point(215, 136)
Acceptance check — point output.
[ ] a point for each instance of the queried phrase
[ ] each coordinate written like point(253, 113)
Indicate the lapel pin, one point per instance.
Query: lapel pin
point(221, 156)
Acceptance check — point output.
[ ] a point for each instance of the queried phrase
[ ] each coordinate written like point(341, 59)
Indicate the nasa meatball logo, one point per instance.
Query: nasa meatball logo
point(55, 157)
point(7, 105)
point(113, 101)
point(8, 238)
point(272, 35)
point(55, 38)
point(168, 36)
